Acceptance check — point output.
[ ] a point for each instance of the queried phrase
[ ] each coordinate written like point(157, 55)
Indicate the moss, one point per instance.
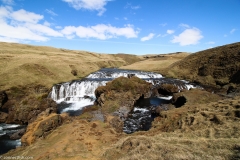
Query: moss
point(86, 115)
point(121, 91)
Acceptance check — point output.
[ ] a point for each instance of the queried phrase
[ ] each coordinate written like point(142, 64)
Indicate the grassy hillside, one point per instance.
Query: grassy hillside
point(216, 66)
point(205, 127)
point(22, 64)
point(157, 63)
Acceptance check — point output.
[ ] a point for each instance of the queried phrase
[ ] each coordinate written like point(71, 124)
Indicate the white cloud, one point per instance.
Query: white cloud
point(51, 12)
point(7, 39)
point(21, 26)
point(125, 18)
point(233, 30)
point(150, 36)
point(19, 33)
point(46, 23)
point(43, 30)
point(170, 31)
point(92, 5)
point(129, 5)
point(8, 2)
point(189, 36)
point(100, 31)
point(25, 16)
point(184, 25)
point(225, 35)
point(58, 27)
point(5, 11)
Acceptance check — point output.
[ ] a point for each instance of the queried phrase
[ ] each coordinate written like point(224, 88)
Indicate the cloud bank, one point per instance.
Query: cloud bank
point(21, 25)
point(150, 36)
point(91, 5)
point(100, 31)
point(190, 36)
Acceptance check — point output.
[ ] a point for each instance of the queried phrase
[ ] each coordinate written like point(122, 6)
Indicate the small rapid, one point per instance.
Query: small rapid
point(73, 96)
point(6, 141)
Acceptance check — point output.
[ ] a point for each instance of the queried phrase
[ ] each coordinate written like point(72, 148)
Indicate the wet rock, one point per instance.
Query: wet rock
point(97, 116)
point(117, 124)
point(74, 72)
point(8, 106)
point(3, 98)
point(179, 101)
point(121, 92)
point(167, 89)
point(122, 112)
point(18, 134)
point(41, 128)
point(3, 117)
point(193, 96)
point(24, 114)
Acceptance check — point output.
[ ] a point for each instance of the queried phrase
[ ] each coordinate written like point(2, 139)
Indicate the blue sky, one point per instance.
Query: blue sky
point(121, 26)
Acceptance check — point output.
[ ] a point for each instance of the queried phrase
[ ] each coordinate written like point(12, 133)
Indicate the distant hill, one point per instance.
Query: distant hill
point(22, 64)
point(156, 62)
point(216, 66)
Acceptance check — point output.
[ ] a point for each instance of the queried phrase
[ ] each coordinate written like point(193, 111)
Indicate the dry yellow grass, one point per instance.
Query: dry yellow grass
point(194, 131)
point(157, 63)
point(22, 64)
point(197, 135)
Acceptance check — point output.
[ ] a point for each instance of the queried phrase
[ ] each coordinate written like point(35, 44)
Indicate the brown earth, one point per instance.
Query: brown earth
point(193, 131)
point(25, 103)
point(41, 128)
point(156, 63)
point(74, 139)
point(205, 126)
point(121, 92)
point(216, 66)
point(28, 72)
point(21, 64)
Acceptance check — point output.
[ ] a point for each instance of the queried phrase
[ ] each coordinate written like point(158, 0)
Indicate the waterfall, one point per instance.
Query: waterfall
point(75, 95)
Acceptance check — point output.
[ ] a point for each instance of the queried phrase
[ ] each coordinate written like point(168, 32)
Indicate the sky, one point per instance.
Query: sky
point(121, 26)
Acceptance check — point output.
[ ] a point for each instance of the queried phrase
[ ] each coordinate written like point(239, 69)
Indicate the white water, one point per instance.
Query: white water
point(125, 73)
point(79, 105)
point(75, 92)
point(140, 109)
point(166, 98)
point(79, 94)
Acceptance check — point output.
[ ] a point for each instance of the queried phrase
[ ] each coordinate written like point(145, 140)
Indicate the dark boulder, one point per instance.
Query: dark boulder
point(121, 92)
point(24, 114)
point(41, 127)
point(3, 117)
point(167, 89)
point(3, 98)
point(18, 134)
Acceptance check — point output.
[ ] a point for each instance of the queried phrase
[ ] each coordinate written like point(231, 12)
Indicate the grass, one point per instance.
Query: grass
point(194, 135)
point(194, 131)
point(25, 64)
point(155, 63)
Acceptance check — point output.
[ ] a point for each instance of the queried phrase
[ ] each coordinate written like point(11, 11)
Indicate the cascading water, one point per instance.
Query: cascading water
point(6, 141)
point(73, 96)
